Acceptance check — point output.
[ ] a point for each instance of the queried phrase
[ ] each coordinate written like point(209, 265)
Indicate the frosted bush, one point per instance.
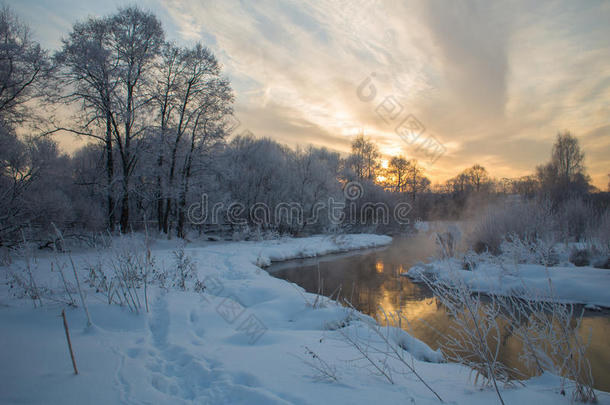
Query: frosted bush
point(526, 221)
point(539, 251)
point(184, 268)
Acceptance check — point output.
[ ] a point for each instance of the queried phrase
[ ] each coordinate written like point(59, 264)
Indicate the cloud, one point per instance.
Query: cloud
point(494, 82)
point(472, 40)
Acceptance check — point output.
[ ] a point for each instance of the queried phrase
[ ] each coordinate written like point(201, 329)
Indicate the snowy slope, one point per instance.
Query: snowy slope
point(241, 341)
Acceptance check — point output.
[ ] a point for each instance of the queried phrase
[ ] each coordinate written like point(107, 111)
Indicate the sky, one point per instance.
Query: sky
point(477, 81)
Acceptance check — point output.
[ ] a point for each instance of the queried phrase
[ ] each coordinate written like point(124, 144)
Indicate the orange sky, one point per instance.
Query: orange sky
point(491, 82)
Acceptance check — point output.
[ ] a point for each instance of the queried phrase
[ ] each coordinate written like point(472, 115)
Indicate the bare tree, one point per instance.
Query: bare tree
point(16, 175)
point(104, 65)
point(567, 157)
point(163, 95)
point(416, 182)
point(34, 182)
point(478, 176)
point(473, 179)
point(136, 38)
point(23, 67)
point(364, 159)
point(314, 181)
point(526, 186)
point(397, 173)
point(564, 176)
point(190, 96)
point(208, 127)
point(23, 63)
point(87, 75)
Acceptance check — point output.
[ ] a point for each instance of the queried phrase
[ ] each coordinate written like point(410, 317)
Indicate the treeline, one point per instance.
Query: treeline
point(159, 121)
point(561, 180)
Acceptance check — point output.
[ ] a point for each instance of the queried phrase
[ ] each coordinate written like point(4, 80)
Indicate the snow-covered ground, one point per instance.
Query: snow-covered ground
point(246, 339)
point(578, 285)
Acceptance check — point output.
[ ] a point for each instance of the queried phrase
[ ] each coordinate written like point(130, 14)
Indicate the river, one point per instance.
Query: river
point(371, 280)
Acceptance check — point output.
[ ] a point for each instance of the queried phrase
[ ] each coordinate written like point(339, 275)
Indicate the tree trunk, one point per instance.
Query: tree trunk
point(180, 131)
point(181, 210)
point(183, 194)
point(170, 186)
point(125, 206)
point(159, 193)
point(109, 174)
point(125, 197)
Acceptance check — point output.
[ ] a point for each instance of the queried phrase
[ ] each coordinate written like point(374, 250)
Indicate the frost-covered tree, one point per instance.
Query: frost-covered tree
point(364, 158)
point(88, 186)
point(23, 67)
point(35, 186)
point(192, 100)
point(478, 177)
point(105, 67)
point(473, 179)
point(118, 72)
point(396, 174)
point(316, 175)
point(87, 78)
point(564, 176)
point(255, 174)
point(406, 176)
point(136, 37)
point(567, 158)
point(415, 181)
point(15, 177)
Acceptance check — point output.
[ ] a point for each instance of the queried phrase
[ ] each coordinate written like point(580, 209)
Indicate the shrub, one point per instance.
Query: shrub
point(580, 257)
point(548, 331)
point(536, 251)
point(529, 222)
point(602, 263)
point(477, 332)
point(185, 268)
point(128, 269)
point(573, 219)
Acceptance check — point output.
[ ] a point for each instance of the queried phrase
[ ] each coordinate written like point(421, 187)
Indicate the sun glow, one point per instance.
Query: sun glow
point(379, 266)
point(352, 131)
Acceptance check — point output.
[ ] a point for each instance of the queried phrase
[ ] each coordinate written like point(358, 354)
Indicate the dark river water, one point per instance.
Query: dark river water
point(371, 280)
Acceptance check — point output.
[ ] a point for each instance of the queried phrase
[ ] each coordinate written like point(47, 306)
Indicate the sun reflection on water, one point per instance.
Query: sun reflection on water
point(372, 282)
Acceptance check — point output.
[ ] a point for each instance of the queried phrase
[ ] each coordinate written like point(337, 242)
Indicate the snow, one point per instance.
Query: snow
point(577, 285)
point(241, 341)
point(421, 226)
